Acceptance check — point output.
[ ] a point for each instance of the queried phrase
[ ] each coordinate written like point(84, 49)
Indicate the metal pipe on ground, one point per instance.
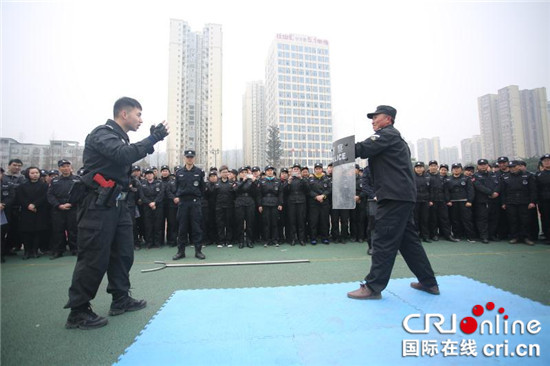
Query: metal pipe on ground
point(166, 265)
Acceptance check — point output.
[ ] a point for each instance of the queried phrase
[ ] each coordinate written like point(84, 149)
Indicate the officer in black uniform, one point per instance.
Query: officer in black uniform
point(282, 225)
point(534, 228)
point(423, 201)
point(63, 210)
point(245, 189)
point(7, 196)
point(503, 229)
point(190, 186)
point(270, 204)
point(14, 177)
point(542, 179)
point(319, 191)
point(209, 204)
point(170, 208)
point(151, 194)
point(439, 211)
point(132, 199)
point(296, 189)
point(225, 208)
point(461, 193)
point(519, 196)
point(390, 164)
point(486, 202)
point(104, 238)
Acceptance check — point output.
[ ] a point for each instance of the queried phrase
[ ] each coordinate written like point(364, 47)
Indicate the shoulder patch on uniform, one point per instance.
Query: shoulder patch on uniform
point(374, 137)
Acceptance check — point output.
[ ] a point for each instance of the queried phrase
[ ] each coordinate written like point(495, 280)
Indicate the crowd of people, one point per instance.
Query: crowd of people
point(251, 206)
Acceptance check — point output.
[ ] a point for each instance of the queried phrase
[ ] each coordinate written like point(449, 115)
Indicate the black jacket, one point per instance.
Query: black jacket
point(34, 193)
point(485, 185)
point(542, 180)
point(367, 186)
point(297, 189)
point(169, 184)
point(461, 188)
point(224, 193)
point(440, 190)
point(108, 151)
point(270, 192)
point(245, 191)
point(60, 189)
point(519, 189)
point(423, 188)
point(152, 192)
point(189, 183)
point(319, 186)
point(390, 164)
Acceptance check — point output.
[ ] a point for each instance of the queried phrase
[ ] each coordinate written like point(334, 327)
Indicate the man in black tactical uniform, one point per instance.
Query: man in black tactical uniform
point(225, 208)
point(151, 194)
point(439, 212)
point(461, 193)
point(104, 239)
point(423, 201)
point(63, 210)
point(391, 168)
point(486, 203)
point(170, 208)
point(270, 203)
point(296, 189)
point(542, 179)
point(519, 196)
point(319, 190)
point(189, 190)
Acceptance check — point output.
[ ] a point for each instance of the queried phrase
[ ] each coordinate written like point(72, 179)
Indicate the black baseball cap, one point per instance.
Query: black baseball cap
point(305, 168)
point(269, 167)
point(63, 162)
point(53, 171)
point(444, 166)
point(242, 169)
point(213, 172)
point(456, 165)
point(136, 167)
point(254, 168)
point(545, 156)
point(296, 165)
point(482, 162)
point(284, 170)
point(503, 159)
point(383, 109)
point(419, 163)
point(513, 163)
point(189, 153)
point(149, 170)
point(164, 167)
point(469, 167)
point(432, 162)
point(318, 165)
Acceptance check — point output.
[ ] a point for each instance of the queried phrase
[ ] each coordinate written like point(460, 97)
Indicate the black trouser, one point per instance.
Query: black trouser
point(14, 235)
point(518, 217)
point(395, 230)
point(318, 220)
point(189, 221)
point(439, 219)
point(282, 225)
point(358, 218)
point(139, 223)
point(270, 218)
point(372, 206)
point(63, 220)
point(503, 226)
point(169, 215)
point(534, 228)
point(4, 249)
point(422, 218)
point(461, 219)
point(135, 231)
point(154, 225)
point(339, 221)
point(211, 230)
point(544, 208)
point(296, 221)
point(104, 242)
point(245, 214)
point(31, 240)
point(225, 217)
point(486, 218)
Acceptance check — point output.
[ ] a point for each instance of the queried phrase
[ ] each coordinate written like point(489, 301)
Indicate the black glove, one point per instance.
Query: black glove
point(158, 132)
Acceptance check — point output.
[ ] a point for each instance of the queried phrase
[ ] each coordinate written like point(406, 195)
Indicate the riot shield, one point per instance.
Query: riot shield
point(343, 173)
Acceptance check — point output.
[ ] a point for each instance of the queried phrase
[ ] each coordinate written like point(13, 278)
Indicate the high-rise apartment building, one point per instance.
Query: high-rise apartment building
point(471, 149)
point(254, 124)
point(428, 149)
point(298, 98)
point(195, 93)
point(514, 123)
point(449, 155)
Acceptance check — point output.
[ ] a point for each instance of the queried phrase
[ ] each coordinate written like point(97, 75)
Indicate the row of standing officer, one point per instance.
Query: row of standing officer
point(499, 204)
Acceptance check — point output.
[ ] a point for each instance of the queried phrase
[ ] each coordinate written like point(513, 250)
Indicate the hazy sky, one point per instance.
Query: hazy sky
point(65, 63)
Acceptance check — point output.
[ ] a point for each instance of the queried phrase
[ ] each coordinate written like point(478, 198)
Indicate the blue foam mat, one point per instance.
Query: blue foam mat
point(319, 325)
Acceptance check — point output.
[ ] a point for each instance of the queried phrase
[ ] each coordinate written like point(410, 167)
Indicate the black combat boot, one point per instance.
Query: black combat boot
point(180, 254)
point(125, 304)
point(84, 318)
point(198, 253)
